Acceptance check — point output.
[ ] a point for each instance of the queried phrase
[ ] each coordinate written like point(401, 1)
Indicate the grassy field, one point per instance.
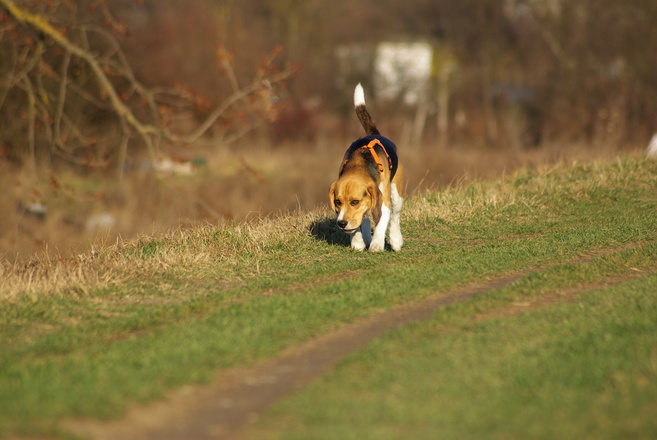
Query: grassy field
point(567, 351)
point(584, 369)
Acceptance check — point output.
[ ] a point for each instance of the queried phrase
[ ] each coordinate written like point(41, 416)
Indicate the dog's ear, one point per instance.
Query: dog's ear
point(375, 202)
point(332, 195)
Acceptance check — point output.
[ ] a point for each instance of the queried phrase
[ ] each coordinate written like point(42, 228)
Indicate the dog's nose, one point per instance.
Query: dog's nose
point(342, 223)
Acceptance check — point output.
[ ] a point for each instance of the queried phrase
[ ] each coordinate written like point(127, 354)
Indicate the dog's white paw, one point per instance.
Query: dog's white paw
point(377, 246)
point(396, 243)
point(357, 242)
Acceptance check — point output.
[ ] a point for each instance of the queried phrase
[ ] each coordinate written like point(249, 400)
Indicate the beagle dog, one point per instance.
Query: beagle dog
point(369, 186)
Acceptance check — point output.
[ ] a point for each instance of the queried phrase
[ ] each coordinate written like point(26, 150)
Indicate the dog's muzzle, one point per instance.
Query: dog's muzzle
point(343, 224)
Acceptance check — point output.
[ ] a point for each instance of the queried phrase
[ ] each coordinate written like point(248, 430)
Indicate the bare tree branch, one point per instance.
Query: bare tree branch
point(31, 117)
point(62, 96)
point(118, 87)
point(41, 24)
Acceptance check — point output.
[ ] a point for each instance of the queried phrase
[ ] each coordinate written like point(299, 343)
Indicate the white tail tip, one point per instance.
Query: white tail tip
point(359, 96)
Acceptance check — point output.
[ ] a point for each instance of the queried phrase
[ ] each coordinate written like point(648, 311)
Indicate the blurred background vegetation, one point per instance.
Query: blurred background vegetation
point(128, 116)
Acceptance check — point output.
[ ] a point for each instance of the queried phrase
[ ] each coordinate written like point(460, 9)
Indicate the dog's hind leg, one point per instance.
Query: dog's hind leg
point(396, 239)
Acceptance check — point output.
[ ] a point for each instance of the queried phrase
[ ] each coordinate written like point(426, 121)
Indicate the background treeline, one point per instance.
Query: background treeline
point(527, 72)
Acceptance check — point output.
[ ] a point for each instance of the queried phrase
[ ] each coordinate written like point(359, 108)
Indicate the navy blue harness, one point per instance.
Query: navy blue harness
point(375, 144)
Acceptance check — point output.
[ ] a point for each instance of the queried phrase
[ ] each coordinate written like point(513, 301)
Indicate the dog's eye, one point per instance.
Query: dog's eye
point(355, 202)
point(337, 203)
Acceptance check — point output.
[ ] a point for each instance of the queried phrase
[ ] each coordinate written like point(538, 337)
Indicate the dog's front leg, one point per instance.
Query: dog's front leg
point(357, 241)
point(362, 238)
point(379, 237)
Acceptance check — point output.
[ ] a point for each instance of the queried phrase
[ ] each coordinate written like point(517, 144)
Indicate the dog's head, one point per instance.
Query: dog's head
point(352, 197)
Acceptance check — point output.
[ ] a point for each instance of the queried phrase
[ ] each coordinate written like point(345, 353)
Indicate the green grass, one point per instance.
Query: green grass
point(581, 369)
point(90, 336)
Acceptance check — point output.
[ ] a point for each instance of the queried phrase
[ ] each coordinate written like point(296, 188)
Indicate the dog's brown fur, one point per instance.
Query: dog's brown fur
point(363, 188)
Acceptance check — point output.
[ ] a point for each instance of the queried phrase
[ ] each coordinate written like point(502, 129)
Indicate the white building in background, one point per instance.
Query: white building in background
point(397, 70)
point(417, 74)
point(403, 70)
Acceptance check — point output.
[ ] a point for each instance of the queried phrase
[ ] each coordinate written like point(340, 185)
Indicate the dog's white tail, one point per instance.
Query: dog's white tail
point(359, 96)
point(362, 113)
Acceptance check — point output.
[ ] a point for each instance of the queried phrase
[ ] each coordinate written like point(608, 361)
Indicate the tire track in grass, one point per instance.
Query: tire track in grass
point(241, 394)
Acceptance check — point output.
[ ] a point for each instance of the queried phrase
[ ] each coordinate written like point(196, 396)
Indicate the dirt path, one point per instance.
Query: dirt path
point(219, 411)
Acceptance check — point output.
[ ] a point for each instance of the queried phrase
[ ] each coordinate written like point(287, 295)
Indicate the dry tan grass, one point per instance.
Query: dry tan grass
point(250, 182)
point(187, 238)
point(183, 250)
